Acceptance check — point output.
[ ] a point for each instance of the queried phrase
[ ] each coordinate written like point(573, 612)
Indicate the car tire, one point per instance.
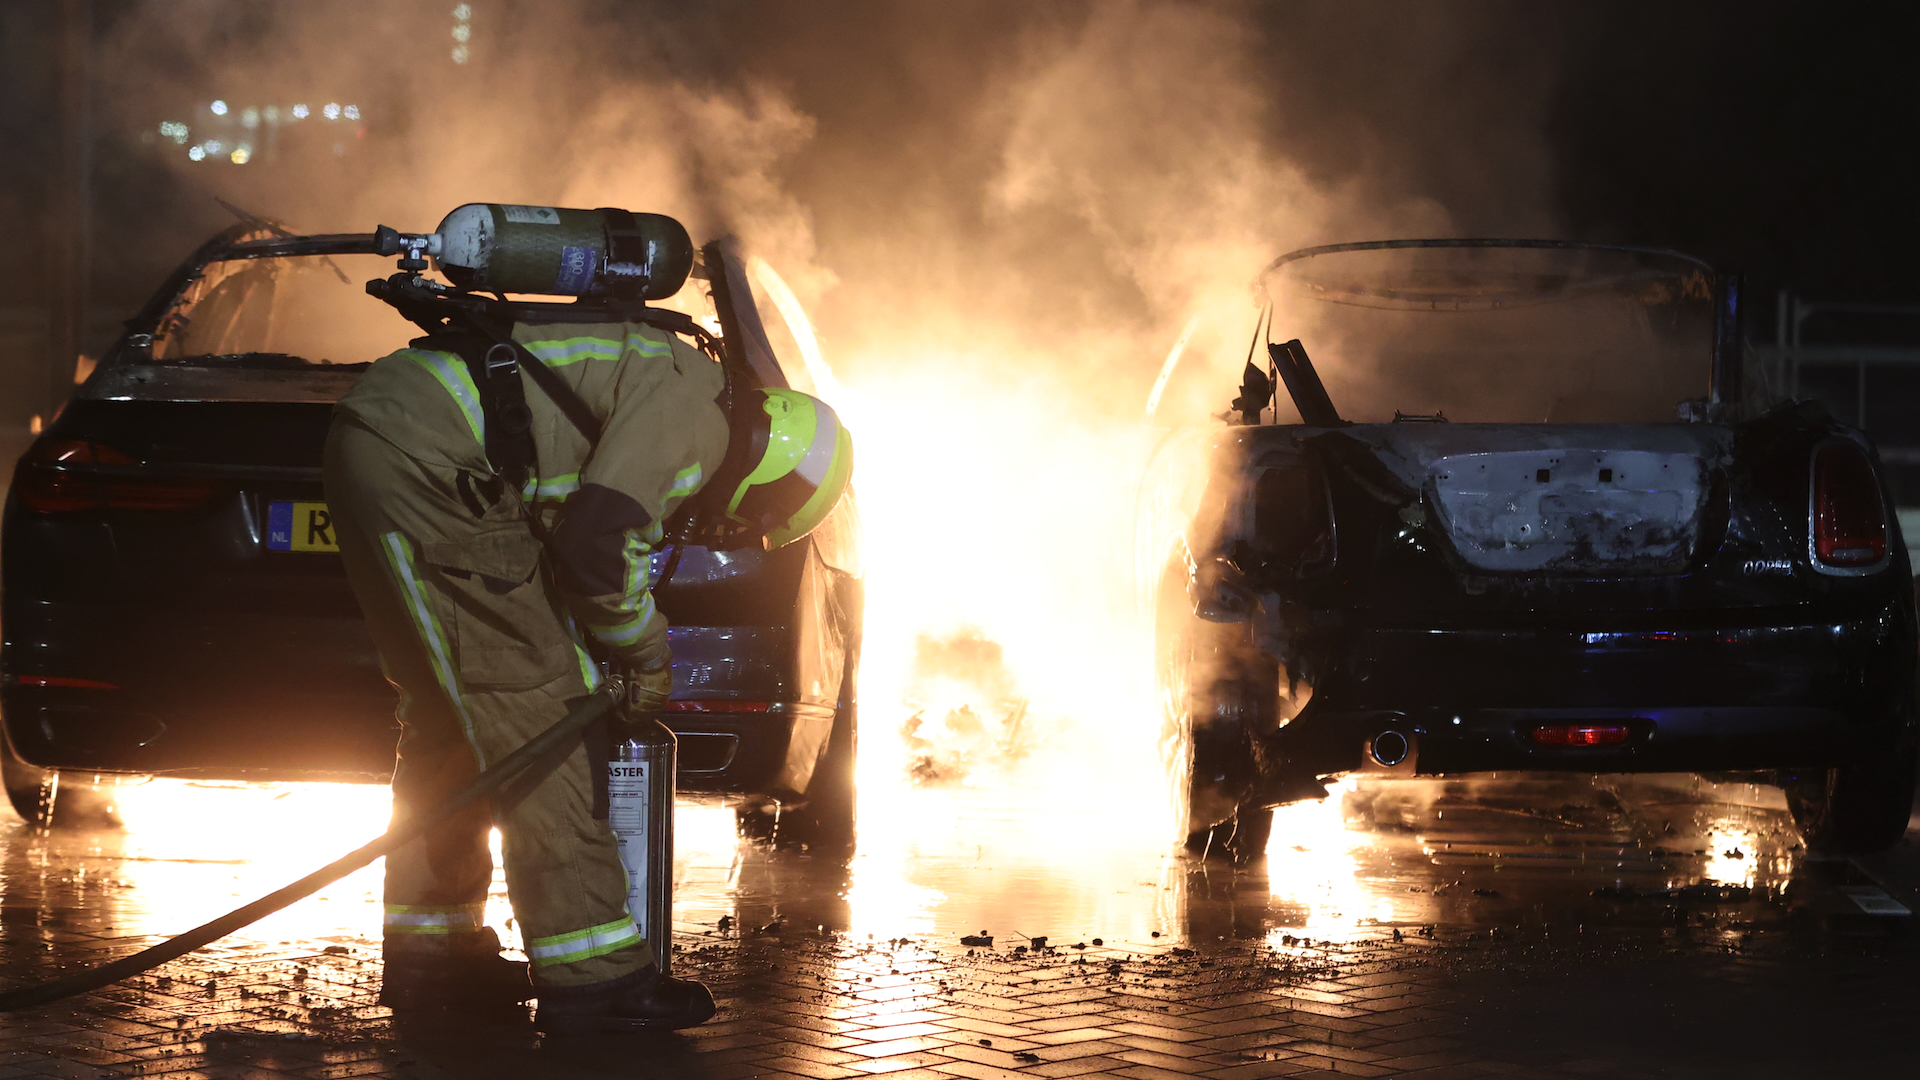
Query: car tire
point(1209, 763)
point(827, 819)
point(47, 798)
point(1856, 808)
point(30, 789)
point(1241, 839)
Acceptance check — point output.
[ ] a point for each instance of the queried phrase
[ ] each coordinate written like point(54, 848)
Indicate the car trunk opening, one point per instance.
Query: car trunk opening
point(1588, 500)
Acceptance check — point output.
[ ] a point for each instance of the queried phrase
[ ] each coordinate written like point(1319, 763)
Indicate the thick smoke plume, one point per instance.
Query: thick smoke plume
point(1000, 216)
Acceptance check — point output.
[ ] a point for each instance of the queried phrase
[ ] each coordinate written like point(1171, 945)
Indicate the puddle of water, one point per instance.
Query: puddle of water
point(1023, 854)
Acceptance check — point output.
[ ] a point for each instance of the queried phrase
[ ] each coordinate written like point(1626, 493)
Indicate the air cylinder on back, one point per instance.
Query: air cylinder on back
point(640, 786)
point(565, 252)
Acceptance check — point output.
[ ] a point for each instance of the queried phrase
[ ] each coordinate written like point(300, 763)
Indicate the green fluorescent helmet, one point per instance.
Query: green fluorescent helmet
point(802, 459)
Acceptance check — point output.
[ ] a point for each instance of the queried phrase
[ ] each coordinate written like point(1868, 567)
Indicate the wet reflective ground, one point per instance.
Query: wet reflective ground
point(1513, 926)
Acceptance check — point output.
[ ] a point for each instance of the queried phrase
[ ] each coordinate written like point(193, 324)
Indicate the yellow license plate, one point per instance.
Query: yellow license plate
point(300, 526)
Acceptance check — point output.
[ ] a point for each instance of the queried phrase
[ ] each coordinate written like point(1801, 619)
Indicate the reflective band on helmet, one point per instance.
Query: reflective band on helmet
point(419, 605)
point(826, 434)
point(452, 373)
point(428, 919)
point(823, 500)
point(583, 944)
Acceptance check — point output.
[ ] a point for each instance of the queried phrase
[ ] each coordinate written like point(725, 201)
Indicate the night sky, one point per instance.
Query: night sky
point(1771, 138)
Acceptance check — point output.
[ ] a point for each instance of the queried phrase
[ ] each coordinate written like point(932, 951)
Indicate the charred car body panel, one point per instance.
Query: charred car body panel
point(151, 626)
point(1422, 597)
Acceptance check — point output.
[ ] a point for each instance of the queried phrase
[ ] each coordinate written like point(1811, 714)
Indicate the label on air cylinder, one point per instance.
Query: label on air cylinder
point(531, 215)
point(628, 793)
point(577, 265)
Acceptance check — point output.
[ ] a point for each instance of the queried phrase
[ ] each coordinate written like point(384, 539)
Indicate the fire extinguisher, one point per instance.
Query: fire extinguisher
point(640, 810)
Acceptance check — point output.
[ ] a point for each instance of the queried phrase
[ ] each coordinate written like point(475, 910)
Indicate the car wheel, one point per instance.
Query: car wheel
point(1210, 686)
point(826, 820)
point(30, 789)
point(1855, 808)
point(48, 798)
point(1241, 839)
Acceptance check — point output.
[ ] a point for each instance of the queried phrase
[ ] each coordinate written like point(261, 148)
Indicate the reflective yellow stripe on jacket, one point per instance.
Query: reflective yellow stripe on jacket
point(452, 373)
point(559, 352)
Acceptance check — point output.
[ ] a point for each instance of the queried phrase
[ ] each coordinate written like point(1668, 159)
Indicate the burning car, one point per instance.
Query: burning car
point(1526, 507)
point(174, 603)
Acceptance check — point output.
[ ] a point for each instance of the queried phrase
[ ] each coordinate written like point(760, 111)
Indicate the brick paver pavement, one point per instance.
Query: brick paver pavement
point(1556, 976)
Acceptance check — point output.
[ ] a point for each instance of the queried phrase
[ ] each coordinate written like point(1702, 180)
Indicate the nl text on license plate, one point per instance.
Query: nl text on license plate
point(300, 526)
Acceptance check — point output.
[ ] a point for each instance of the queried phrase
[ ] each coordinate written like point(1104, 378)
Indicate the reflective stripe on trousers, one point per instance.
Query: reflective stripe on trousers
point(430, 919)
point(583, 944)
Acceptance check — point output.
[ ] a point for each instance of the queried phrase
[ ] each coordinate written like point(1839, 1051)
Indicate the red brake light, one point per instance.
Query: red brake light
point(1849, 518)
point(79, 452)
point(1582, 734)
point(54, 479)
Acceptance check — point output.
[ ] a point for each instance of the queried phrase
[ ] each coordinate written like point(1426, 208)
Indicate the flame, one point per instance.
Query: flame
point(1313, 862)
point(261, 835)
point(997, 512)
point(997, 503)
point(825, 386)
point(1167, 368)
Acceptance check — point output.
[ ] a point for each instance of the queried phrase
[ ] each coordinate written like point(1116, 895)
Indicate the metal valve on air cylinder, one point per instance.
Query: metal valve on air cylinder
point(413, 248)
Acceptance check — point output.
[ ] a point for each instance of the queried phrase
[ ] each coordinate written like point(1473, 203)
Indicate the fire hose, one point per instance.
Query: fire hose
point(567, 730)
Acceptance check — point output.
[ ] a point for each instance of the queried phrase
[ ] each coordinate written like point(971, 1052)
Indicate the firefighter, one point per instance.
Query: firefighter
point(487, 602)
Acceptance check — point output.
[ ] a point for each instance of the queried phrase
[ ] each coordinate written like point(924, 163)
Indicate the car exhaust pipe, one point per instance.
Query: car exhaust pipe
point(1389, 751)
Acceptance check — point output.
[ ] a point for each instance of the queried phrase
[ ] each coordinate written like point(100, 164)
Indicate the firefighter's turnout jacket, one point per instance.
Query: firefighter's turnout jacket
point(481, 598)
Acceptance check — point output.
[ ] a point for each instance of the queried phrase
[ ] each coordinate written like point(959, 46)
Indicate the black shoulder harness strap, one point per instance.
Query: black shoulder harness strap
point(556, 388)
point(495, 360)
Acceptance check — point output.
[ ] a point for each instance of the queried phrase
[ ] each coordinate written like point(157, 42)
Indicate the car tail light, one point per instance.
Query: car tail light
point(1849, 518)
point(63, 681)
point(1582, 734)
point(62, 476)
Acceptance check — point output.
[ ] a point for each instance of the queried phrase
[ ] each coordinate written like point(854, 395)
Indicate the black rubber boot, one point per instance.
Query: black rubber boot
point(643, 1001)
point(474, 978)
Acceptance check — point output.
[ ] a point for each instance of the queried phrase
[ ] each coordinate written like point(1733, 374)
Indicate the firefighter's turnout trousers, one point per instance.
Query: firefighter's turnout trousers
point(472, 629)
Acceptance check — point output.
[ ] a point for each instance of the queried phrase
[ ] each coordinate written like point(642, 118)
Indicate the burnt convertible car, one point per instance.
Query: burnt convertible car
point(173, 603)
point(1529, 510)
